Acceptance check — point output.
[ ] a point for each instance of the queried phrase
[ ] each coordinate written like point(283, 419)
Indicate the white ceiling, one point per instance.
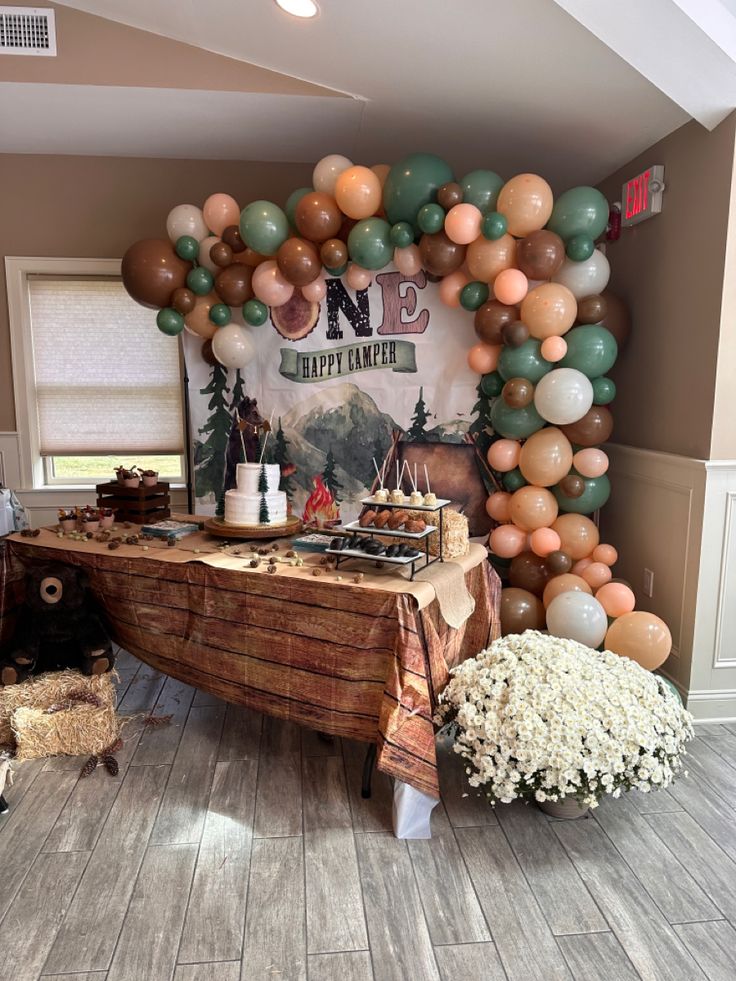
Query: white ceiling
point(509, 85)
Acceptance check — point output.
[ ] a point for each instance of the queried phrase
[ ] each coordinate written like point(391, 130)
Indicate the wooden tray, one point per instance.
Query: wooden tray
point(220, 528)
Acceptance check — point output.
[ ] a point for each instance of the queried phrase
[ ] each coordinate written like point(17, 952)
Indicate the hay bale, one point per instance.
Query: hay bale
point(455, 537)
point(77, 731)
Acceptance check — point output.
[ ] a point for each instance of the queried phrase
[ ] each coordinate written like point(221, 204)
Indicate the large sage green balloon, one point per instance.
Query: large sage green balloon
point(481, 188)
point(491, 384)
point(591, 349)
point(412, 183)
point(513, 480)
point(604, 391)
point(292, 201)
point(515, 423)
point(524, 361)
point(579, 211)
point(369, 243)
point(596, 493)
point(264, 227)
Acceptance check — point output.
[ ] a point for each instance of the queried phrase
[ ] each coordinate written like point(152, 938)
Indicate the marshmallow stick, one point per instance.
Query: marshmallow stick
point(242, 440)
point(426, 477)
point(379, 474)
point(265, 438)
point(415, 478)
point(411, 479)
point(398, 478)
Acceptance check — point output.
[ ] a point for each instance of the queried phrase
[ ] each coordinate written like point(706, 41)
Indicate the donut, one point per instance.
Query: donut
point(381, 518)
point(367, 518)
point(415, 525)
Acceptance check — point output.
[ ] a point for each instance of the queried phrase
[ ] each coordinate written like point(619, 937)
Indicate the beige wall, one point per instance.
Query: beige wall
point(671, 271)
point(97, 206)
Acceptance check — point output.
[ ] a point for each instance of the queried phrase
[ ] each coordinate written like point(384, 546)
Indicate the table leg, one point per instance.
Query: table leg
point(3, 805)
point(325, 737)
point(370, 761)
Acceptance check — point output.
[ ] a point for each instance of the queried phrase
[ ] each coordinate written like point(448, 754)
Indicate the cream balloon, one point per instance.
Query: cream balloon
point(546, 457)
point(577, 616)
point(233, 346)
point(584, 278)
point(563, 396)
point(327, 170)
point(204, 254)
point(186, 219)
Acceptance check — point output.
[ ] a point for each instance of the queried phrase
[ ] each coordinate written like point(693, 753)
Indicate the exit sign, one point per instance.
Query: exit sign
point(641, 197)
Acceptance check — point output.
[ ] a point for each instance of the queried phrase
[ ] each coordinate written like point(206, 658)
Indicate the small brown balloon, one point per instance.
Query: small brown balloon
point(440, 255)
point(491, 318)
point(520, 611)
point(207, 353)
point(515, 334)
point(317, 216)
point(572, 485)
point(591, 309)
point(540, 254)
point(334, 253)
point(518, 392)
point(449, 195)
point(232, 237)
point(221, 254)
point(233, 286)
point(558, 563)
point(529, 571)
point(298, 261)
point(594, 428)
point(183, 300)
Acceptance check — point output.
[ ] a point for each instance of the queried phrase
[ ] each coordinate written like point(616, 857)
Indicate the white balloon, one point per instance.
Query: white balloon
point(584, 278)
point(563, 396)
point(233, 346)
point(204, 254)
point(327, 170)
point(186, 219)
point(577, 616)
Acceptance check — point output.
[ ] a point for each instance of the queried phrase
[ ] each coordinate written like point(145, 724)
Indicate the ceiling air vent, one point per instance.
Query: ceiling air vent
point(27, 31)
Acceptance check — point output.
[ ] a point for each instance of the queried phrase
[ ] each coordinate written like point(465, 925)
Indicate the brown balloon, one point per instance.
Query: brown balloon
point(491, 318)
point(449, 195)
point(572, 485)
point(151, 271)
point(317, 217)
point(221, 254)
point(520, 611)
point(594, 428)
point(518, 392)
point(440, 255)
point(183, 300)
point(298, 261)
point(233, 286)
point(529, 571)
point(334, 253)
point(232, 237)
point(515, 334)
point(540, 254)
point(207, 353)
point(558, 563)
point(617, 319)
point(592, 309)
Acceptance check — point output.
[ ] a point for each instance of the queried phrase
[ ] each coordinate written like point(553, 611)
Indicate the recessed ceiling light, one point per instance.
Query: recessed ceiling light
point(299, 8)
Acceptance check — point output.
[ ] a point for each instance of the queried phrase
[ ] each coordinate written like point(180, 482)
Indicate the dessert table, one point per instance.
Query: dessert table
point(362, 659)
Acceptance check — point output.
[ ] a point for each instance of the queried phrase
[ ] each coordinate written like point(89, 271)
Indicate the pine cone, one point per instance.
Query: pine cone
point(89, 767)
point(114, 747)
point(157, 720)
point(88, 697)
point(111, 765)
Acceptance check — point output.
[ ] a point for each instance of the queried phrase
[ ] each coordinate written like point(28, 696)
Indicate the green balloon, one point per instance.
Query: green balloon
point(337, 271)
point(369, 243)
point(669, 685)
point(524, 361)
point(200, 281)
point(579, 211)
point(220, 314)
point(494, 225)
point(402, 234)
point(412, 183)
point(187, 247)
point(491, 384)
point(596, 493)
point(515, 423)
point(474, 295)
point(591, 349)
point(604, 391)
point(580, 247)
point(292, 201)
point(255, 313)
point(513, 480)
point(481, 188)
point(169, 321)
point(264, 227)
point(431, 218)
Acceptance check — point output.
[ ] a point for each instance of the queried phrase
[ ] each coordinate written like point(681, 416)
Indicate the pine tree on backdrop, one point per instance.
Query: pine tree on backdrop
point(281, 456)
point(263, 515)
point(418, 431)
point(238, 392)
point(480, 428)
point(329, 476)
point(210, 472)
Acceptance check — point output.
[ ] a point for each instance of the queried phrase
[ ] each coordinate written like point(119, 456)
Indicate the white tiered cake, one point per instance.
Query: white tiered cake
point(246, 505)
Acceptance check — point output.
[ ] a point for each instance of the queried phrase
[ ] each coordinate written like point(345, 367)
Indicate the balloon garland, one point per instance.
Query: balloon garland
point(527, 268)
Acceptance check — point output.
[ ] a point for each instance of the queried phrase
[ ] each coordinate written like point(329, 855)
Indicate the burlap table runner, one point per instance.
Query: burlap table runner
point(448, 581)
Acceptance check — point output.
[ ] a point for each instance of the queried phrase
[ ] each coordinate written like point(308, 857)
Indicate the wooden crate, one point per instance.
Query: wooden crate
point(141, 505)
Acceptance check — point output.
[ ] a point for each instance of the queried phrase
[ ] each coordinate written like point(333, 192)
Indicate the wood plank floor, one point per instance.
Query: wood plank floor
point(237, 848)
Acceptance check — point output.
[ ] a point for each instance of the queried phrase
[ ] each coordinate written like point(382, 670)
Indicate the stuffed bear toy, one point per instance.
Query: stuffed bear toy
point(57, 628)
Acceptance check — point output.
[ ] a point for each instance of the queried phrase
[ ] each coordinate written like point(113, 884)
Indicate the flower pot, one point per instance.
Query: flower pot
point(150, 481)
point(132, 481)
point(90, 525)
point(566, 807)
point(107, 520)
point(68, 524)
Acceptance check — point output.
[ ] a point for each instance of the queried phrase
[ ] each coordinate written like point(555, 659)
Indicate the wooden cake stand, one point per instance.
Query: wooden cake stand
point(220, 528)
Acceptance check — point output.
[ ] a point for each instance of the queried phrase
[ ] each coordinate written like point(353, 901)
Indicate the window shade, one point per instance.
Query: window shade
point(107, 381)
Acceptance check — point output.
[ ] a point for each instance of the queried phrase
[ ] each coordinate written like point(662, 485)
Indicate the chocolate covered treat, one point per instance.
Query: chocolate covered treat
point(416, 498)
point(397, 496)
point(381, 496)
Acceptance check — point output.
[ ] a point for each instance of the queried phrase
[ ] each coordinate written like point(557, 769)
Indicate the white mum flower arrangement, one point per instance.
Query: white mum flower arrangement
point(547, 718)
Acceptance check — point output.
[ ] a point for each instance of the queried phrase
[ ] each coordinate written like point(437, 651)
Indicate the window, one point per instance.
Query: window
point(96, 384)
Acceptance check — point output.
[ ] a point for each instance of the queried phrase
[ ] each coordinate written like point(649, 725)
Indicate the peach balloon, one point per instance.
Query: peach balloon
point(526, 202)
point(606, 554)
point(533, 507)
point(451, 286)
point(487, 259)
point(197, 321)
point(503, 454)
point(358, 278)
point(616, 598)
point(581, 565)
point(409, 260)
point(219, 211)
point(462, 223)
point(597, 574)
point(381, 171)
point(563, 584)
point(553, 348)
point(316, 290)
point(546, 457)
point(484, 357)
point(590, 462)
point(358, 192)
point(542, 541)
point(578, 534)
point(497, 506)
point(549, 310)
point(510, 286)
point(506, 541)
point(641, 636)
point(270, 286)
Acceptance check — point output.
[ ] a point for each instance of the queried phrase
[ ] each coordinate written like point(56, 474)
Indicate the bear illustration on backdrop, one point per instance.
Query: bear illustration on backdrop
point(57, 627)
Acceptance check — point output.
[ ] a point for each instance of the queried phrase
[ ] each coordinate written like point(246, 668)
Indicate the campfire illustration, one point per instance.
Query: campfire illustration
point(320, 510)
